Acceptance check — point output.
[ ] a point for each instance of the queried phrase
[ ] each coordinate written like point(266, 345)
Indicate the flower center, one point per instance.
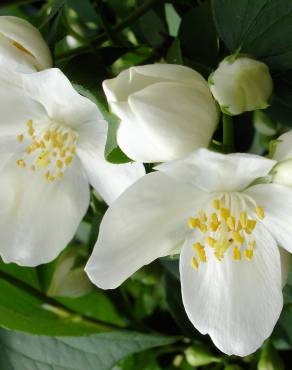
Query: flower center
point(50, 150)
point(225, 228)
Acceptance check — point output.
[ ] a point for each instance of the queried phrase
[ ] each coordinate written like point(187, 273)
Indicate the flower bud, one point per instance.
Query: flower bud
point(199, 355)
point(69, 278)
point(166, 111)
point(241, 84)
point(22, 46)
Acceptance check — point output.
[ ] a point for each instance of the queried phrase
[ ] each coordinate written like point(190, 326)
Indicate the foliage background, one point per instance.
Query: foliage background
point(51, 316)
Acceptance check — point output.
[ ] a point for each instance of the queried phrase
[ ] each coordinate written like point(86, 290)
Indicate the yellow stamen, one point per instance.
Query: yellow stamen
point(210, 241)
point(231, 222)
point(193, 222)
point(260, 212)
point(243, 219)
point(236, 254)
point(201, 251)
point(237, 237)
point(20, 138)
point(216, 204)
point(248, 254)
point(195, 263)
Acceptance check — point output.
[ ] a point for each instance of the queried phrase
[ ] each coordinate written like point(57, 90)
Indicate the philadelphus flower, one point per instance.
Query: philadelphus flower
point(241, 84)
point(52, 144)
point(226, 231)
point(22, 46)
point(166, 111)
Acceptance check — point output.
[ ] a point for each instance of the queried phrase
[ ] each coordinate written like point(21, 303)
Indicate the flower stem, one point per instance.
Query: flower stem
point(98, 40)
point(228, 134)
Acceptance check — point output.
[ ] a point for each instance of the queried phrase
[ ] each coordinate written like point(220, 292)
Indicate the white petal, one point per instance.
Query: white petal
point(109, 180)
point(213, 171)
point(283, 147)
point(16, 107)
point(285, 265)
point(276, 201)
point(42, 217)
point(133, 137)
point(175, 129)
point(19, 30)
point(63, 104)
point(236, 302)
point(136, 78)
point(14, 58)
point(149, 220)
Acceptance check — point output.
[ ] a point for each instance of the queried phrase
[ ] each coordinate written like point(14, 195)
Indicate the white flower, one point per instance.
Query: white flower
point(241, 84)
point(226, 231)
point(166, 111)
point(22, 47)
point(52, 144)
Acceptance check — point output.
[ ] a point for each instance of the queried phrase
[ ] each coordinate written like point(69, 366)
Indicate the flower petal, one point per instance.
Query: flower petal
point(63, 104)
point(19, 30)
point(130, 134)
point(108, 179)
point(149, 220)
point(285, 264)
point(276, 201)
point(16, 107)
point(225, 172)
point(283, 148)
point(175, 129)
point(236, 302)
point(136, 78)
point(42, 217)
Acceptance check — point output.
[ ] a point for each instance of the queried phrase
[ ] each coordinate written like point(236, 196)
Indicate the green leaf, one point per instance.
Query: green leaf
point(198, 36)
point(101, 351)
point(173, 20)
point(269, 358)
point(199, 355)
point(56, 7)
point(174, 55)
point(280, 109)
point(175, 305)
point(262, 28)
point(30, 311)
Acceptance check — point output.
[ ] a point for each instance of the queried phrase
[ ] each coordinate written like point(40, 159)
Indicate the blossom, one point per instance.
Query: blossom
point(166, 111)
point(227, 231)
point(52, 144)
point(241, 84)
point(22, 46)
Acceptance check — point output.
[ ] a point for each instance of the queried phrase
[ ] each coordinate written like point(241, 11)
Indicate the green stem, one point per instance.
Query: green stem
point(118, 27)
point(54, 306)
point(107, 28)
point(228, 135)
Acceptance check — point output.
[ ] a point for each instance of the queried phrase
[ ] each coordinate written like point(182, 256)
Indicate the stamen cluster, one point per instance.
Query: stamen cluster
point(223, 230)
point(52, 150)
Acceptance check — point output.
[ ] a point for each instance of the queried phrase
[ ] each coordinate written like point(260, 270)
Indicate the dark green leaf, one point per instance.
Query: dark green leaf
point(198, 36)
point(262, 28)
point(26, 310)
point(97, 352)
point(56, 7)
point(174, 55)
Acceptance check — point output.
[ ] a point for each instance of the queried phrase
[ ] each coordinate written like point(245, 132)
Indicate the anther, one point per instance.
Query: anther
point(236, 254)
point(260, 212)
point(195, 263)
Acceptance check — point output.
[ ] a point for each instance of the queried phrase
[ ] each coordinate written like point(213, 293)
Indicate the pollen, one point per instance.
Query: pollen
point(226, 231)
point(50, 150)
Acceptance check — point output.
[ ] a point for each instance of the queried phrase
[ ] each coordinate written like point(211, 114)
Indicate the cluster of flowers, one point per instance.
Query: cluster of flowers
point(227, 215)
